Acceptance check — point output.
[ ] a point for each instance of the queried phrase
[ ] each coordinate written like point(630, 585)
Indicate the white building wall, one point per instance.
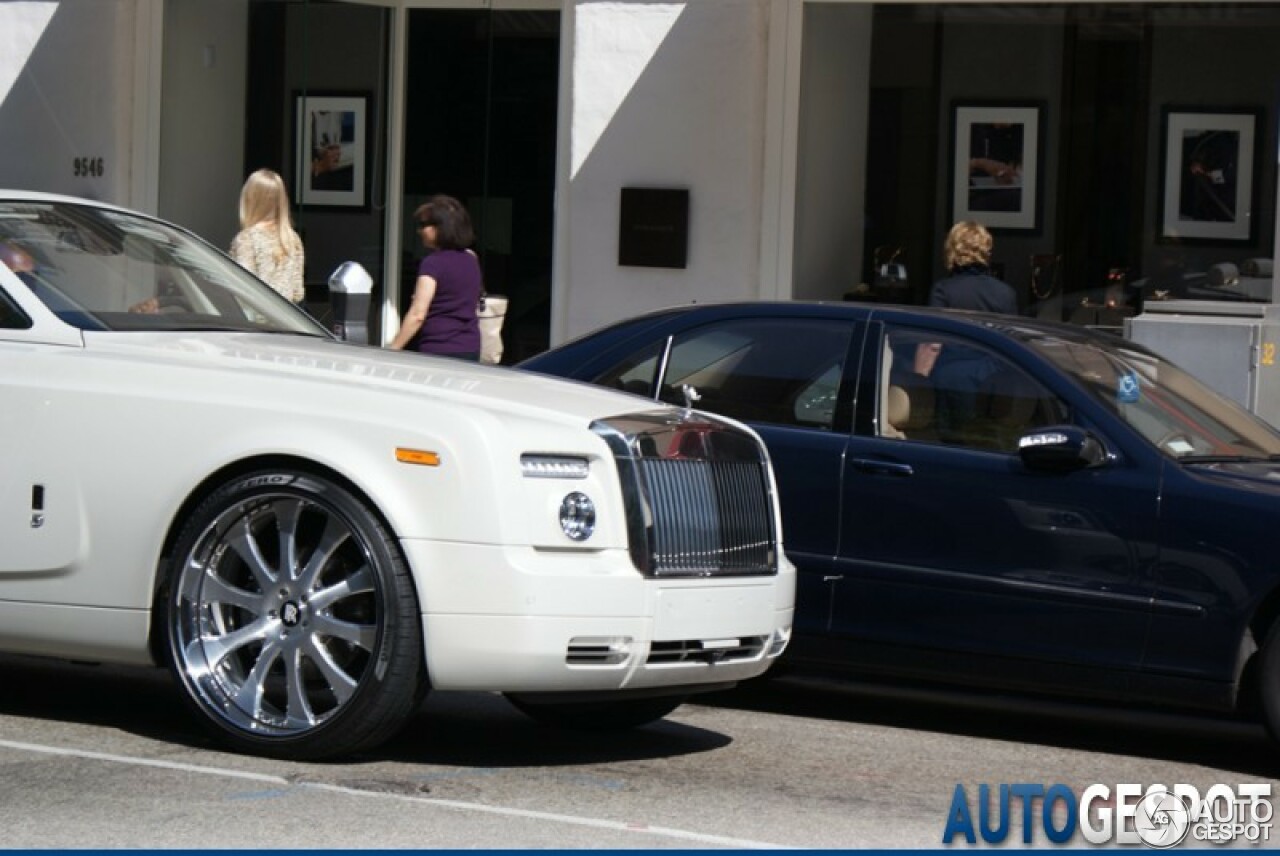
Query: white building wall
point(660, 95)
point(831, 166)
point(202, 115)
point(70, 105)
point(136, 102)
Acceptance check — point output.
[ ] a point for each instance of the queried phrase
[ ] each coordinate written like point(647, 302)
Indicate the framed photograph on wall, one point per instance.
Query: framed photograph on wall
point(331, 133)
point(1209, 164)
point(995, 167)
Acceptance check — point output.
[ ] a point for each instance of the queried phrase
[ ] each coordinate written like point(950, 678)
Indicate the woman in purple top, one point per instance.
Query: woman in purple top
point(442, 318)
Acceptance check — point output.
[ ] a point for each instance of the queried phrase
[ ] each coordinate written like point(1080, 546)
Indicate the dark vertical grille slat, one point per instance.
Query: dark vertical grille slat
point(742, 506)
point(708, 517)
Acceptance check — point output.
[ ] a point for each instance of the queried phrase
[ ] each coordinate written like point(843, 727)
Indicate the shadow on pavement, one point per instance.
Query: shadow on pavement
point(136, 699)
point(462, 729)
point(1224, 744)
point(484, 730)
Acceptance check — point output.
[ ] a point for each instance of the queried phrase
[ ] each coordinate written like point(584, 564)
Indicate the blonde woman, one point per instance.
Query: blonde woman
point(969, 283)
point(266, 244)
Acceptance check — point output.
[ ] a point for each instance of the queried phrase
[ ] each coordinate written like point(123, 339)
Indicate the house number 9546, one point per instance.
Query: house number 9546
point(83, 167)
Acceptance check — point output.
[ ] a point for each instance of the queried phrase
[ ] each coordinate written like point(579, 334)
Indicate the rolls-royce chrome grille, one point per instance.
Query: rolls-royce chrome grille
point(709, 517)
point(698, 495)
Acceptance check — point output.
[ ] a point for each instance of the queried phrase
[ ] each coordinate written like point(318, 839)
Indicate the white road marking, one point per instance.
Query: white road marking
point(143, 762)
point(575, 820)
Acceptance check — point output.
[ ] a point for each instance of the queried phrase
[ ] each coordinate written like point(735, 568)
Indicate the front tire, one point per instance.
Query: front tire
point(291, 619)
point(600, 716)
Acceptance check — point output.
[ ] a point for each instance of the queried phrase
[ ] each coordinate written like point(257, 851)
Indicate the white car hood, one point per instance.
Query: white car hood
point(343, 364)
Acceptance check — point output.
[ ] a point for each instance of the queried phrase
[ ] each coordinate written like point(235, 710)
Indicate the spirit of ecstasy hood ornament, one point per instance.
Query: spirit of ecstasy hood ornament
point(691, 395)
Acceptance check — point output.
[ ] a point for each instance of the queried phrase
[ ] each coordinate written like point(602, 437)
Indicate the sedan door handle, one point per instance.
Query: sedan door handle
point(889, 468)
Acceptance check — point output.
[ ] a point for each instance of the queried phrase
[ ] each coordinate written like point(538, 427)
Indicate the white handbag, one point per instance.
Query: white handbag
point(490, 312)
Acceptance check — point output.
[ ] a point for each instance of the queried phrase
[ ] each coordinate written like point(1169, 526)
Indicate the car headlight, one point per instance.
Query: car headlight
point(554, 467)
point(577, 516)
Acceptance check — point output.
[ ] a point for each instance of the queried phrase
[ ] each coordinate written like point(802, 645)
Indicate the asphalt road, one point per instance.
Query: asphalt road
point(108, 757)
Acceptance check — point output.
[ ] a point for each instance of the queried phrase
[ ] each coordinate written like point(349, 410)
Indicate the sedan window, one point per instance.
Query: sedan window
point(773, 371)
point(945, 389)
point(1174, 412)
point(636, 373)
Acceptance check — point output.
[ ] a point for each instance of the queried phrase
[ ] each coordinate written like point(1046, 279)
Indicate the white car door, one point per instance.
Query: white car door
point(40, 508)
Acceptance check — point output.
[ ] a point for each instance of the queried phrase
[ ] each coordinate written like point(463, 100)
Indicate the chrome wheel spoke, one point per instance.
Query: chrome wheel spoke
point(216, 591)
point(340, 683)
point(287, 516)
point(299, 714)
point(358, 582)
point(361, 635)
point(214, 649)
point(248, 697)
point(242, 540)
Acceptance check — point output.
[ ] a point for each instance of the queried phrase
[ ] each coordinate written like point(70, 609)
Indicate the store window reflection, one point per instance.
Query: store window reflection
point(1156, 168)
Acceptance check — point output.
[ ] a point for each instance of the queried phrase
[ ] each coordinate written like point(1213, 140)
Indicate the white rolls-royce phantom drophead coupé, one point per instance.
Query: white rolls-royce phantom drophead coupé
point(311, 533)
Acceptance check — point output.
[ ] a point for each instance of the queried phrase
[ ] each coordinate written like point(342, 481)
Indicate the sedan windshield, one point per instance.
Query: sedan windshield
point(100, 269)
point(1177, 413)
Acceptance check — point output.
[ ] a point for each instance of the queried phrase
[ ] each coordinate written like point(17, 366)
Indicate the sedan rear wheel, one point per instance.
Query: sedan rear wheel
point(1269, 680)
point(291, 618)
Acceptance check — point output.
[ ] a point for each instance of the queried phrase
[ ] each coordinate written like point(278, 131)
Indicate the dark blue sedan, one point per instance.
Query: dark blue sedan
point(990, 501)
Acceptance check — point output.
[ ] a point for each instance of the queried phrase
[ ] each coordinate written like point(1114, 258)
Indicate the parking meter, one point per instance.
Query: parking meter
point(349, 289)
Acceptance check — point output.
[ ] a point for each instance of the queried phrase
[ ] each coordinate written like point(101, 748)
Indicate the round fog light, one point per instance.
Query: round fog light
point(578, 516)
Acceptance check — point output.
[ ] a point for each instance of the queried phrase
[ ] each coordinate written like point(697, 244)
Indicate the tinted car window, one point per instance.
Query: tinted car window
point(636, 373)
point(947, 389)
point(776, 371)
point(1167, 406)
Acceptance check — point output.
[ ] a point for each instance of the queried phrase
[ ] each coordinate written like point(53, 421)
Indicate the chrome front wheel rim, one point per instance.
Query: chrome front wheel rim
point(277, 615)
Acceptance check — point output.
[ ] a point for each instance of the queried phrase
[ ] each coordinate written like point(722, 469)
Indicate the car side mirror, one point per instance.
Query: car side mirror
point(1060, 449)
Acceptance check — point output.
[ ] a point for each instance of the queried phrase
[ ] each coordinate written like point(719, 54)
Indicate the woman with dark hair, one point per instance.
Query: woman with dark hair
point(441, 319)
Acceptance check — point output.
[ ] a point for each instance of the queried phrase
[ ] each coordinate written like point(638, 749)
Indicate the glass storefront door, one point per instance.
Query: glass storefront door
point(480, 125)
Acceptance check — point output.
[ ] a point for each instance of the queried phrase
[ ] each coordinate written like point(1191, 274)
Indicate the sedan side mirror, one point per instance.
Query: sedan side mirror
point(1060, 449)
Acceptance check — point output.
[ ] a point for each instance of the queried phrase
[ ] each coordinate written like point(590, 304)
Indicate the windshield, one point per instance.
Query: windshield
point(98, 269)
point(1167, 406)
